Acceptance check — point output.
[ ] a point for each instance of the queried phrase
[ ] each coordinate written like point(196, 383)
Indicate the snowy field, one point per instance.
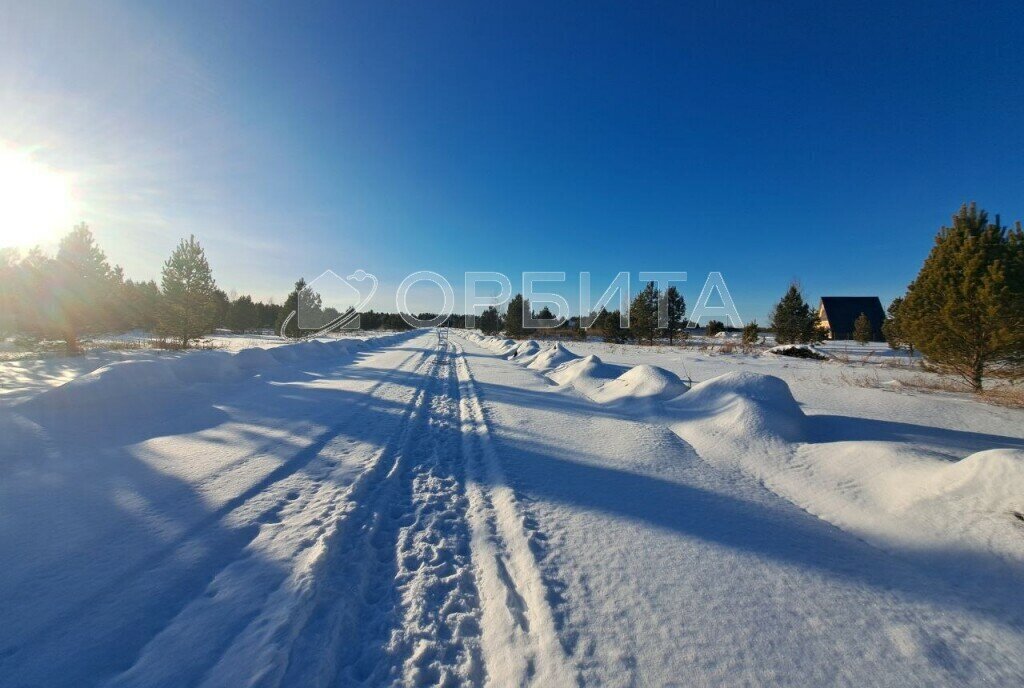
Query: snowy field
point(383, 511)
point(23, 374)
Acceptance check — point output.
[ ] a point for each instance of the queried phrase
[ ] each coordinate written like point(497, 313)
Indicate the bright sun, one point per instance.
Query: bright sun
point(36, 203)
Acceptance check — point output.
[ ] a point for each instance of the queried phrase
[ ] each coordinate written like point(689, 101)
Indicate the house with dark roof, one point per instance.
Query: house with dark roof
point(838, 314)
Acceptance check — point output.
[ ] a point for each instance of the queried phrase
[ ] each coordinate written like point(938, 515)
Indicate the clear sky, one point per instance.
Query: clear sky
point(771, 141)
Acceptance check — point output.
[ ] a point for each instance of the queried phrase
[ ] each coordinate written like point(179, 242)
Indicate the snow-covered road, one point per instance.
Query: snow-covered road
point(413, 515)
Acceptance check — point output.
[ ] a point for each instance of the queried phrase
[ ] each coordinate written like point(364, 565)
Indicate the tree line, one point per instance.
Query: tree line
point(76, 293)
point(643, 319)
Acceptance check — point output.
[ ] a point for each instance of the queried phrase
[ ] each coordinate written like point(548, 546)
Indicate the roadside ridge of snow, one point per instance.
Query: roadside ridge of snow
point(128, 383)
point(888, 493)
point(600, 382)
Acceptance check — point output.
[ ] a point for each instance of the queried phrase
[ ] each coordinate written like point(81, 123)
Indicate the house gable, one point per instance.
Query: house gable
point(839, 313)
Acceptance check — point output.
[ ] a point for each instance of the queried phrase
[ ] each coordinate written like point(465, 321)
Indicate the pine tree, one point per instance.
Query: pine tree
point(35, 300)
point(675, 309)
point(751, 333)
point(222, 306)
point(965, 309)
point(579, 332)
point(714, 327)
point(138, 305)
point(243, 316)
point(893, 327)
point(643, 314)
point(611, 327)
point(862, 331)
point(291, 305)
point(489, 322)
point(267, 314)
point(514, 316)
point(82, 287)
point(793, 320)
point(188, 289)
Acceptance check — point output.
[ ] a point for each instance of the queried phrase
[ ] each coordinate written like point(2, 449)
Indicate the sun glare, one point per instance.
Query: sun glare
point(36, 202)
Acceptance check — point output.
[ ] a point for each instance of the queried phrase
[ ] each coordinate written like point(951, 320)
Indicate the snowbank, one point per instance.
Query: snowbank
point(142, 383)
point(746, 404)
point(119, 383)
point(893, 494)
point(255, 358)
point(548, 359)
point(603, 383)
point(897, 495)
point(524, 352)
point(991, 481)
point(579, 369)
point(642, 382)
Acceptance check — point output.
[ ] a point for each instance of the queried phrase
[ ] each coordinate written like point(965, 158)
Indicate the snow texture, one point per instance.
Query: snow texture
point(492, 512)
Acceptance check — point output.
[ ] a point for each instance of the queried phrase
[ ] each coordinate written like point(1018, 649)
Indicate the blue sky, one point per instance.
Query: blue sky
point(768, 141)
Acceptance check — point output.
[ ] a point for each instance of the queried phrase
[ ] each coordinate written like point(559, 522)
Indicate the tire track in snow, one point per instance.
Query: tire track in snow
point(148, 666)
point(439, 637)
point(520, 642)
point(393, 599)
point(146, 597)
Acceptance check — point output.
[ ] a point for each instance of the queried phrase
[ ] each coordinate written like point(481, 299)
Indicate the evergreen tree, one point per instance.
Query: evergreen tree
point(751, 333)
point(489, 322)
point(222, 306)
point(189, 294)
point(117, 317)
point(892, 328)
point(793, 320)
point(83, 283)
point(243, 316)
point(965, 309)
point(140, 304)
point(643, 314)
point(545, 314)
point(714, 327)
point(862, 329)
point(310, 315)
point(514, 316)
point(675, 308)
point(611, 327)
point(579, 332)
point(291, 305)
point(267, 314)
point(37, 313)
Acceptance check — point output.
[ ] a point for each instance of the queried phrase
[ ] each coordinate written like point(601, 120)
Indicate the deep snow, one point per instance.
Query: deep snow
point(366, 513)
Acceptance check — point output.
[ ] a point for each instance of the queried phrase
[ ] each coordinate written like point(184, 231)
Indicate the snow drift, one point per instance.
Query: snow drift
point(990, 481)
point(114, 386)
point(581, 370)
point(642, 382)
point(746, 404)
point(892, 494)
point(603, 383)
point(549, 359)
point(142, 385)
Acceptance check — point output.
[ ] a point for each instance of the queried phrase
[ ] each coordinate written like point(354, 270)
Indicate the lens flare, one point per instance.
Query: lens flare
point(36, 202)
